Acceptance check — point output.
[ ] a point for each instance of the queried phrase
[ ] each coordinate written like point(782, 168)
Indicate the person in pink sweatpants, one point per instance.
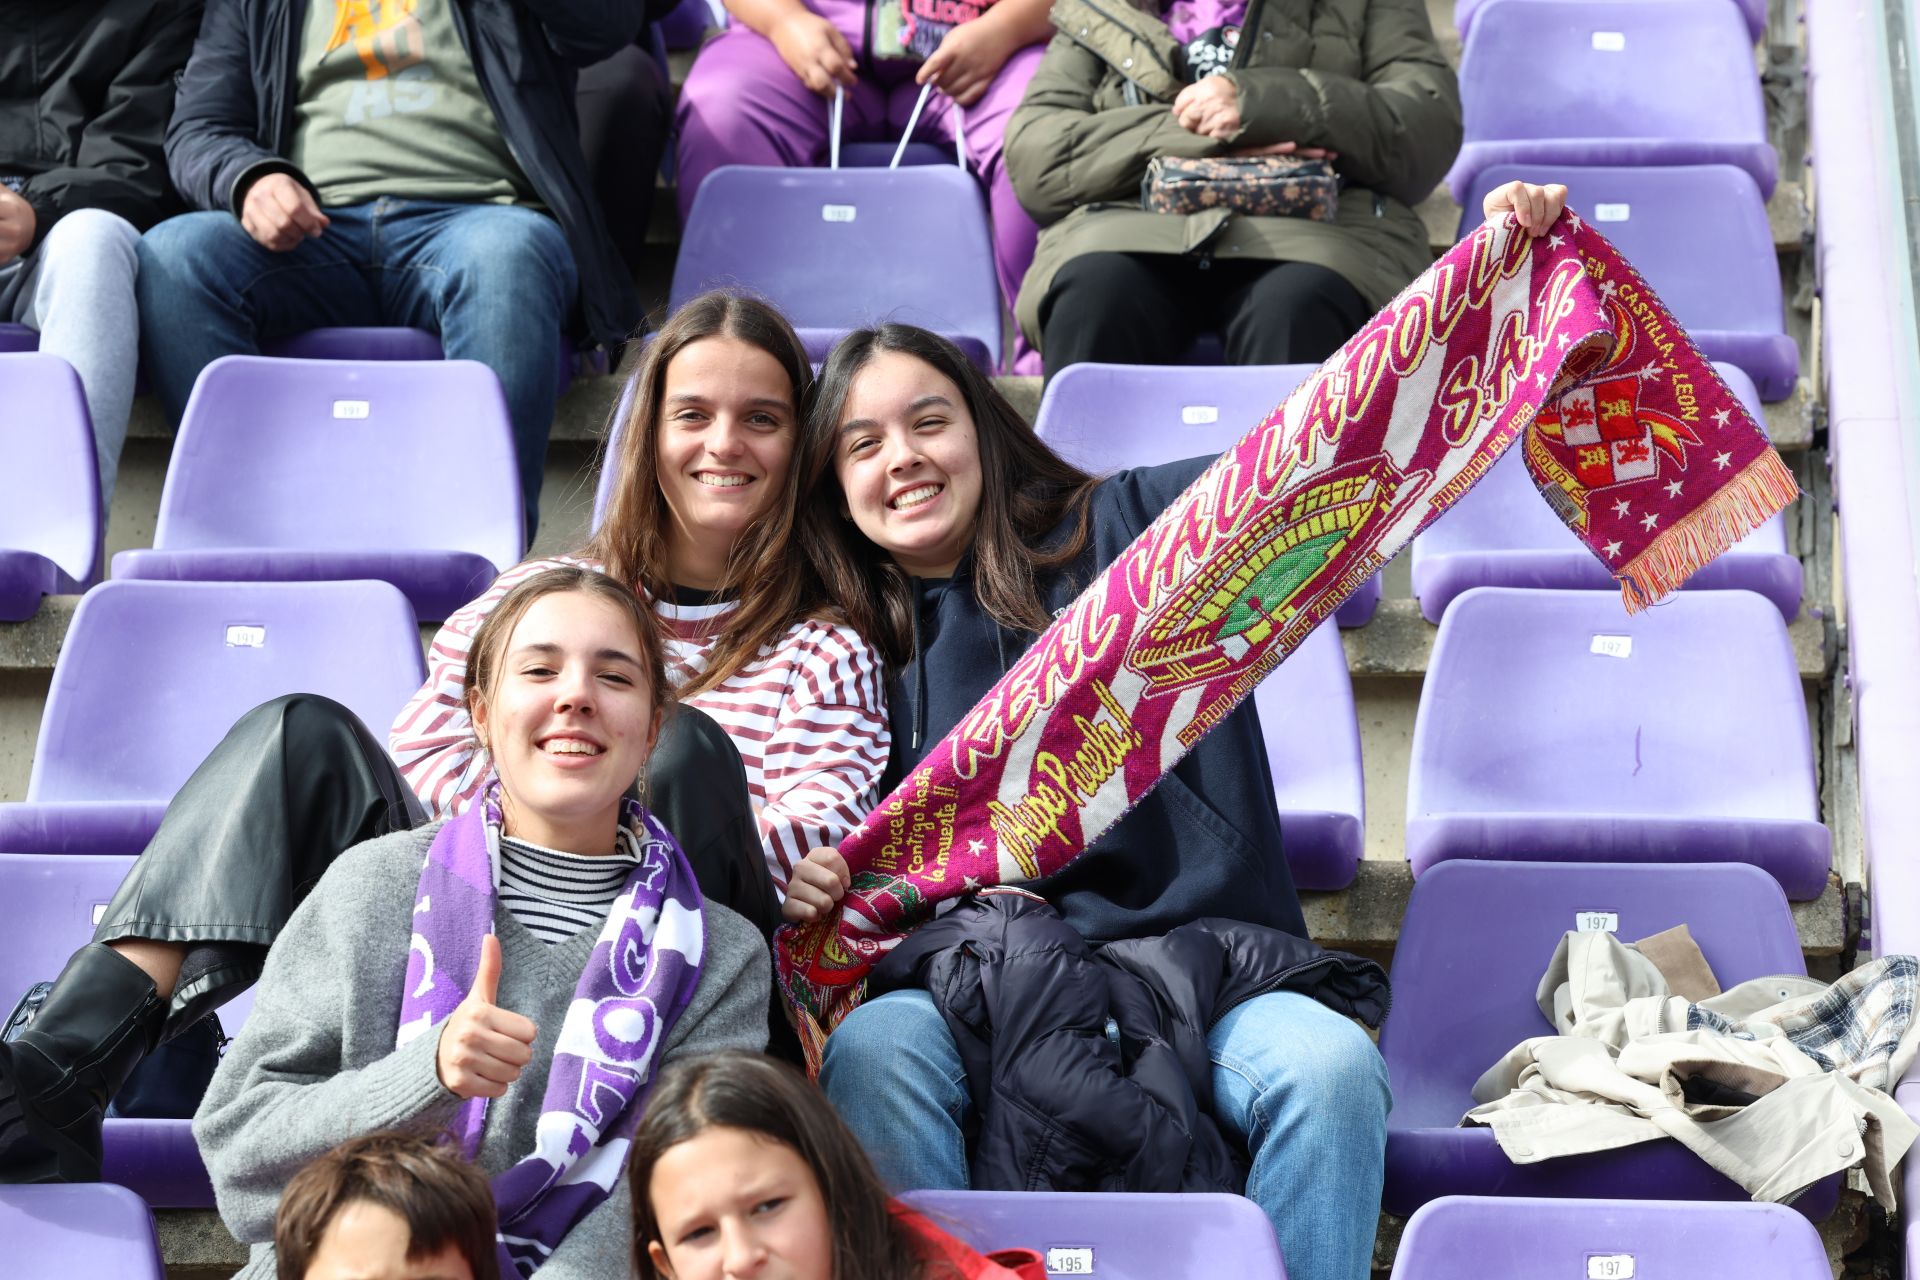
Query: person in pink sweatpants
point(759, 94)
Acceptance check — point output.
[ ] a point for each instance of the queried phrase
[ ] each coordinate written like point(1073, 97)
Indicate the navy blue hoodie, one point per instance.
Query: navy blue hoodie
point(1205, 842)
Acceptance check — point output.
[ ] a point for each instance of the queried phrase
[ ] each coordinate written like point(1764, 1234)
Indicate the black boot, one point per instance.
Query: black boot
point(99, 1020)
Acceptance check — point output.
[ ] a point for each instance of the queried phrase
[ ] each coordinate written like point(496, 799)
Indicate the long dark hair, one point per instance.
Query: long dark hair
point(1026, 491)
point(775, 589)
point(736, 1089)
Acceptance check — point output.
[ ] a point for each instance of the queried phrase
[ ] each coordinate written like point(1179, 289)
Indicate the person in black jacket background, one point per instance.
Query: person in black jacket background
point(86, 89)
point(964, 535)
point(391, 162)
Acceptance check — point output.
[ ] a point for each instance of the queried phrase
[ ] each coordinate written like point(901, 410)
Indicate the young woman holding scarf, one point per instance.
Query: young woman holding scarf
point(410, 989)
point(967, 535)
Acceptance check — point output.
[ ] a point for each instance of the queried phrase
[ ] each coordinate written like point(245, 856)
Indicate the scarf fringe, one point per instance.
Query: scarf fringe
point(1762, 489)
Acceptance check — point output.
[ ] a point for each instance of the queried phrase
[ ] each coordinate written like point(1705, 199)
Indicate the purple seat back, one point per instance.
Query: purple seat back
point(1109, 417)
point(153, 674)
point(836, 249)
point(1553, 725)
point(1632, 82)
point(1699, 234)
point(385, 342)
point(1313, 748)
point(332, 455)
point(1503, 534)
point(1464, 993)
point(616, 428)
point(1754, 11)
point(878, 155)
point(1110, 1236)
point(49, 478)
point(1500, 1238)
point(18, 337)
point(81, 1230)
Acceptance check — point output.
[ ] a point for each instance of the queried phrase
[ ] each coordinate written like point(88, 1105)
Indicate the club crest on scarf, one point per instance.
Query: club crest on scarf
point(637, 982)
point(1556, 341)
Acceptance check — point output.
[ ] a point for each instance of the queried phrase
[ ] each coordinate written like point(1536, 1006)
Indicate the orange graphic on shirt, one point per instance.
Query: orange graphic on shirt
point(384, 33)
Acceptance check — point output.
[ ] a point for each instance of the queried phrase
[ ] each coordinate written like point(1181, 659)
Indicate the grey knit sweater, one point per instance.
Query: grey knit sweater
point(315, 1062)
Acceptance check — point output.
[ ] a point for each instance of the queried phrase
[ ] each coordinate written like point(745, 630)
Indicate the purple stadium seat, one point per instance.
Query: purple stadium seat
point(1554, 726)
point(153, 674)
point(1501, 534)
point(1109, 417)
point(1624, 82)
point(386, 342)
point(1474, 942)
point(49, 484)
point(840, 248)
point(1699, 234)
point(1113, 1236)
point(17, 337)
point(308, 470)
point(1754, 11)
point(48, 904)
point(1313, 749)
point(1481, 1238)
point(83, 1230)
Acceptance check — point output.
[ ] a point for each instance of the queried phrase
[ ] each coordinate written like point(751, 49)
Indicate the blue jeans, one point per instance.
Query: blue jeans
point(1301, 1086)
point(495, 282)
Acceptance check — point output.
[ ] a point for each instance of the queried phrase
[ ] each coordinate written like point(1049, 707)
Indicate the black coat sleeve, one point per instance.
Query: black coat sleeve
point(214, 141)
point(120, 165)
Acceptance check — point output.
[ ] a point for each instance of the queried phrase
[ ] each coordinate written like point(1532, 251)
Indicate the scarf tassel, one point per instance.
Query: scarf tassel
point(1741, 505)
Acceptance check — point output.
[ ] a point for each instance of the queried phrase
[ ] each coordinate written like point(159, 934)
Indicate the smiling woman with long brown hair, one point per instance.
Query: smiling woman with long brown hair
point(776, 691)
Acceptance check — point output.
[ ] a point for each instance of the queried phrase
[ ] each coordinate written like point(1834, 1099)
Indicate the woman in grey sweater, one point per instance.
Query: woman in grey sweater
point(515, 975)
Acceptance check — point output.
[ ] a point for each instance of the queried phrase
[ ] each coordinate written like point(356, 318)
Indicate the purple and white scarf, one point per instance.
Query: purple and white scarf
point(636, 985)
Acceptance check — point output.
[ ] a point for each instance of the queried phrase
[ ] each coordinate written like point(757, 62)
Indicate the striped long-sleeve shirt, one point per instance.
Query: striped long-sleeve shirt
point(808, 715)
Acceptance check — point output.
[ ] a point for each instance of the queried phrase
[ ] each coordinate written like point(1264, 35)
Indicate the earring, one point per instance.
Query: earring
point(640, 791)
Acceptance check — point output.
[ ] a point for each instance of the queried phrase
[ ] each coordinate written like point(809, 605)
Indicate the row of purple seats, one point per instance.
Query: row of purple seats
point(52, 1232)
point(1502, 534)
point(1154, 1237)
point(50, 518)
point(836, 249)
point(1112, 417)
point(313, 470)
point(1474, 942)
point(1553, 726)
point(1611, 82)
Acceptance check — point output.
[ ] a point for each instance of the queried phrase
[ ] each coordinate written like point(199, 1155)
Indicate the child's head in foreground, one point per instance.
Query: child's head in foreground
point(741, 1166)
point(389, 1206)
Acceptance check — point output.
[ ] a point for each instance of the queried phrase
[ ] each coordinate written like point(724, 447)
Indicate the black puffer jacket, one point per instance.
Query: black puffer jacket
point(1088, 1064)
point(85, 93)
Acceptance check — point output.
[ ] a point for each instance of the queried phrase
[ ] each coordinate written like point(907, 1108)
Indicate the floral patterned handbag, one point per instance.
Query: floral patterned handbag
point(1264, 186)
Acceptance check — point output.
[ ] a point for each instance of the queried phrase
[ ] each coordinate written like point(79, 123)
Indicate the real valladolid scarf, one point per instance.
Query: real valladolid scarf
point(1554, 344)
point(635, 987)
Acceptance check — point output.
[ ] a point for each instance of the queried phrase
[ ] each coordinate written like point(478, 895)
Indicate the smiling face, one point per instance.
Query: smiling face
point(569, 721)
point(908, 460)
point(367, 1241)
point(725, 447)
point(733, 1204)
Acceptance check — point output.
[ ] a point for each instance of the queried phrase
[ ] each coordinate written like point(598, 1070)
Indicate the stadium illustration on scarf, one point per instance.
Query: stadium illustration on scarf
point(1554, 342)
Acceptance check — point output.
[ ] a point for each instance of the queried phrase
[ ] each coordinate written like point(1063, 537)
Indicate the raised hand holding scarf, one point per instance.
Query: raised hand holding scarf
point(636, 984)
point(1555, 342)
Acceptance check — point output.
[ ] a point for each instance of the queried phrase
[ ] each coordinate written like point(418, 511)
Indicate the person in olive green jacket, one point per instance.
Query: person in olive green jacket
point(1361, 83)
